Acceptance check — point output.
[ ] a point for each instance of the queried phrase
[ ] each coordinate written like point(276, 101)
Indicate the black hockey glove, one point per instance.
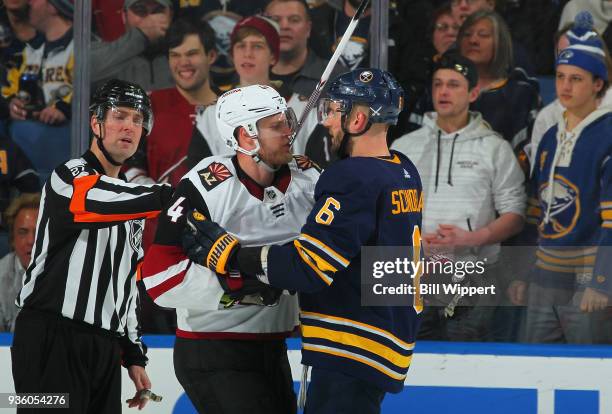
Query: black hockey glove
point(208, 244)
point(247, 290)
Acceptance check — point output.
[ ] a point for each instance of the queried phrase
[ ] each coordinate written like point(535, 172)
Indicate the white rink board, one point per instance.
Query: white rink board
point(479, 367)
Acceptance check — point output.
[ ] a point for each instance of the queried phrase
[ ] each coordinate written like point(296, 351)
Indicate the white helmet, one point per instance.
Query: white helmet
point(243, 107)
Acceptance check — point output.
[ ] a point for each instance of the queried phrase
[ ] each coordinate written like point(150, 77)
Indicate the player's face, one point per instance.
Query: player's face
point(190, 64)
point(294, 24)
point(252, 60)
point(275, 133)
point(576, 88)
point(333, 123)
point(461, 9)
point(121, 132)
point(450, 93)
point(445, 33)
point(478, 44)
point(24, 230)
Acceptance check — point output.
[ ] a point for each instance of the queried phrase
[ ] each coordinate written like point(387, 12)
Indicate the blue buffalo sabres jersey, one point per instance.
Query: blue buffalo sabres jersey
point(359, 201)
point(571, 203)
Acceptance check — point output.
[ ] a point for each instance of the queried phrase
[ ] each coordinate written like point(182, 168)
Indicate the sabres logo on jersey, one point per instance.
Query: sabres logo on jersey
point(304, 163)
point(213, 175)
point(564, 209)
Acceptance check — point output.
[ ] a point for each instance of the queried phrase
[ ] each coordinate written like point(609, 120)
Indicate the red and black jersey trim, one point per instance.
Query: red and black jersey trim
point(304, 163)
point(282, 179)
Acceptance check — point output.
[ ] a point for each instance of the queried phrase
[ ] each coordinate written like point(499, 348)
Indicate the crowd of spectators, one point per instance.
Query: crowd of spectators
point(186, 53)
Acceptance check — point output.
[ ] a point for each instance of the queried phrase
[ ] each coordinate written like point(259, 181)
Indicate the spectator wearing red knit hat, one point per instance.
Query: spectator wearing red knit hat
point(255, 47)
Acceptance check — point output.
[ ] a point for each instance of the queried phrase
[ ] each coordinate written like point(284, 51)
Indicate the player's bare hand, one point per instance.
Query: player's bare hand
point(17, 109)
point(141, 381)
point(593, 301)
point(154, 26)
point(51, 116)
point(517, 292)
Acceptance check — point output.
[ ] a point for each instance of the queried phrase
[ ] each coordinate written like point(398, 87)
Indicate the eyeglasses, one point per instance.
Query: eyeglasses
point(143, 9)
point(445, 27)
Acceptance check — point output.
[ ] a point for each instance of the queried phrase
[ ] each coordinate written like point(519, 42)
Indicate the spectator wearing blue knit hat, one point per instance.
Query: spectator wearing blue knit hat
point(571, 204)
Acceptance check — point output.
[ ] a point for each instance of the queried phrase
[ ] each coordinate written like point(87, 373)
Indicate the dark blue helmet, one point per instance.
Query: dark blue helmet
point(373, 87)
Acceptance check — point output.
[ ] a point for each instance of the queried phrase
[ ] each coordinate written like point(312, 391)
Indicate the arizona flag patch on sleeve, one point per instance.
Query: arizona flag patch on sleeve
point(213, 175)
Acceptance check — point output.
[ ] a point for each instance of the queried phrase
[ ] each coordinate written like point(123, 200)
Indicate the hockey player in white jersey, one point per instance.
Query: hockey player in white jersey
point(230, 352)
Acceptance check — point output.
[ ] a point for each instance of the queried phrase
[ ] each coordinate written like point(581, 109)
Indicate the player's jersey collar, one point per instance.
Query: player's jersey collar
point(281, 181)
point(393, 158)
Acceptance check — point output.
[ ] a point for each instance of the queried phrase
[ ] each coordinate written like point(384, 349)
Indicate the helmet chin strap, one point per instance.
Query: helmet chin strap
point(264, 164)
point(106, 154)
point(254, 153)
point(342, 149)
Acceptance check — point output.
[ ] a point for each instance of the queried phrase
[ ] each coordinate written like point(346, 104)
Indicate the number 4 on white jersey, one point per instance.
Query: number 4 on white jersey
point(176, 211)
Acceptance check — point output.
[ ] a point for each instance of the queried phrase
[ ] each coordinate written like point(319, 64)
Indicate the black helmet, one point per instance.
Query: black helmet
point(116, 93)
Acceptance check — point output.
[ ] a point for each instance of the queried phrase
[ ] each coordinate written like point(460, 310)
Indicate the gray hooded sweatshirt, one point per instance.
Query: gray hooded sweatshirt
point(468, 177)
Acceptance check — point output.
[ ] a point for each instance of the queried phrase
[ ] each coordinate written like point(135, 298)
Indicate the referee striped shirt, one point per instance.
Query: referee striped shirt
point(88, 247)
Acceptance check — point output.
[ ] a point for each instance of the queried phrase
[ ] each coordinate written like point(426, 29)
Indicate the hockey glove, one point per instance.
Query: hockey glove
point(247, 290)
point(208, 244)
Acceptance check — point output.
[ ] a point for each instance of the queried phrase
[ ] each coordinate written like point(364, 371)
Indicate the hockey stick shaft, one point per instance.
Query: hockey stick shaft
point(314, 97)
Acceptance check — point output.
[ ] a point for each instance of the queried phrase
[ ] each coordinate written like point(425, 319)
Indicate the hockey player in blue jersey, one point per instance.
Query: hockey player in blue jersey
point(357, 353)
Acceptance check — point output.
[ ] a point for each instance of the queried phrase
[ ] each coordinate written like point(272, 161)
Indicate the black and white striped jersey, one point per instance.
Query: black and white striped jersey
point(88, 246)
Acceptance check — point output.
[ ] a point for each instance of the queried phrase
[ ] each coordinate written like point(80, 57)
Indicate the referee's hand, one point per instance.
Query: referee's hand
point(139, 377)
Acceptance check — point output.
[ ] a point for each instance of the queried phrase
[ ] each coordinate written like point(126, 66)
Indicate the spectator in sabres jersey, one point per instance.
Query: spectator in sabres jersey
point(473, 186)
point(41, 88)
point(550, 114)
point(570, 205)
point(358, 352)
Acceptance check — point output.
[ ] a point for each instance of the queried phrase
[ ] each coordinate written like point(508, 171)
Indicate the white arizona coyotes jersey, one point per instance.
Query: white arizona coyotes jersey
point(219, 189)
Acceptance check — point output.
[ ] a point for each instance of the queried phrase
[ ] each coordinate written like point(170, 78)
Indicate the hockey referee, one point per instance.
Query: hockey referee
point(79, 297)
